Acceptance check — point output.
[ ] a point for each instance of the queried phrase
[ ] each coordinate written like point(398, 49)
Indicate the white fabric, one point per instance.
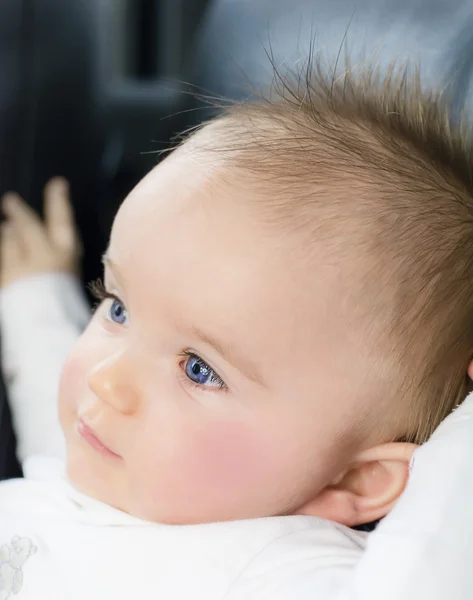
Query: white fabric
point(57, 544)
point(40, 318)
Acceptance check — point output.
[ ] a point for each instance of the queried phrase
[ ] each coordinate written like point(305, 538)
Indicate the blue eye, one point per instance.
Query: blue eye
point(200, 373)
point(117, 312)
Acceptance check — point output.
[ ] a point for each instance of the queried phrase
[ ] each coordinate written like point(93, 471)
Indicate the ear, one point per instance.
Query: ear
point(367, 489)
point(470, 370)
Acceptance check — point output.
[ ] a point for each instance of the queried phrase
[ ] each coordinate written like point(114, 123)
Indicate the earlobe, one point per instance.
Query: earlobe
point(333, 504)
point(367, 489)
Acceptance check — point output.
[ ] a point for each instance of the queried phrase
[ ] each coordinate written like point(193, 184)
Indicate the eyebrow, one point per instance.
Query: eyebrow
point(246, 367)
point(108, 261)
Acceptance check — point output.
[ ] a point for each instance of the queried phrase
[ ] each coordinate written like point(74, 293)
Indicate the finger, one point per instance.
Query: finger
point(60, 223)
point(10, 247)
point(26, 222)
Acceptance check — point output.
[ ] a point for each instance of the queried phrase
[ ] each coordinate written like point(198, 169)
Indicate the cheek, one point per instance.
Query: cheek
point(73, 381)
point(202, 473)
point(72, 373)
point(71, 385)
point(227, 457)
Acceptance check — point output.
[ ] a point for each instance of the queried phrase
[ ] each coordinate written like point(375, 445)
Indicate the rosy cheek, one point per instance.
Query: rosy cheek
point(228, 456)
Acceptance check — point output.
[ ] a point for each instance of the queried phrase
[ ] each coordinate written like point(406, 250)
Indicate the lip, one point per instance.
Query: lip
point(88, 435)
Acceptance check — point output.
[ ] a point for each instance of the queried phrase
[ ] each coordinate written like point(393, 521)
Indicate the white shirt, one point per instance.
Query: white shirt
point(57, 544)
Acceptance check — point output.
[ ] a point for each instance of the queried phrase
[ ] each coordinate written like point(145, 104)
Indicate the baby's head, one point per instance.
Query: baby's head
point(290, 311)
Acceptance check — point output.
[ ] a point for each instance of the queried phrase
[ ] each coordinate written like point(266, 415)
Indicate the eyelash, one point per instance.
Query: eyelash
point(100, 293)
point(221, 385)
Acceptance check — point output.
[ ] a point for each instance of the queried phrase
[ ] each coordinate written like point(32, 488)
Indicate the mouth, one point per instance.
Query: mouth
point(88, 435)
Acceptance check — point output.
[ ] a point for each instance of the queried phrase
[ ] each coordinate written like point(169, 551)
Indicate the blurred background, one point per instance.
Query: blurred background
point(89, 89)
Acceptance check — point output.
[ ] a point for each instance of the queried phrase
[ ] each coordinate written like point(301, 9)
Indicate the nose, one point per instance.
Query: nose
point(113, 381)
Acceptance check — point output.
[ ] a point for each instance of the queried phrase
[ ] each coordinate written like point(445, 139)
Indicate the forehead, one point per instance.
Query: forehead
point(185, 209)
point(190, 248)
point(184, 219)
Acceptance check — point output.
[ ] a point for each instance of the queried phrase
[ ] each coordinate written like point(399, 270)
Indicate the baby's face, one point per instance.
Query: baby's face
point(220, 376)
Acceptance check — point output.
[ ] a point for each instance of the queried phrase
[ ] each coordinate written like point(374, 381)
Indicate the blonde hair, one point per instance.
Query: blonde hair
point(402, 168)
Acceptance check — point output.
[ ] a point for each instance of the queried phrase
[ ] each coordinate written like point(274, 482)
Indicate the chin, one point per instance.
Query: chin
point(91, 480)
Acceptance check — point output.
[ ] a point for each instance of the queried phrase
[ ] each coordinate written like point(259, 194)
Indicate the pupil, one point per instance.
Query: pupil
point(118, 310)
point(195, 368)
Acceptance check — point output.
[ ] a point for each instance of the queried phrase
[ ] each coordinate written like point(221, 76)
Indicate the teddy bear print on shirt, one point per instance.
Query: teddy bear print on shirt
point(12, 558)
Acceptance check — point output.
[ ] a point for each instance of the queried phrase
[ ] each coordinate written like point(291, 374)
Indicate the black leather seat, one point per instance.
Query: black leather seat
point(84, 84)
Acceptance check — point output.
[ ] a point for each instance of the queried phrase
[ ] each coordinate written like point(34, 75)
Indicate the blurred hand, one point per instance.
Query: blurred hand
point(29, 246)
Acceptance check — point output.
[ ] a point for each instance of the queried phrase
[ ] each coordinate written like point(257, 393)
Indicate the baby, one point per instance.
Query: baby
point(286, 314)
